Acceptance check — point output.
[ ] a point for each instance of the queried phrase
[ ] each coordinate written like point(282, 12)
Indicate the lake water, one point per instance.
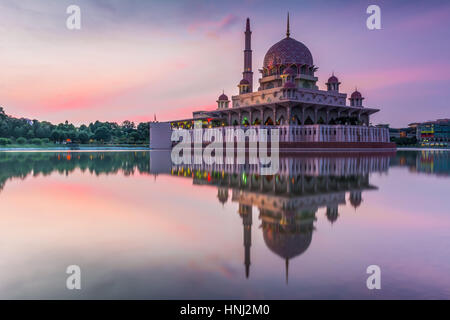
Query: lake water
point(139, 227)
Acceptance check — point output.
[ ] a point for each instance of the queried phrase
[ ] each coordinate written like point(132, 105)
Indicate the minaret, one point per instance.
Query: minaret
point(248, 73)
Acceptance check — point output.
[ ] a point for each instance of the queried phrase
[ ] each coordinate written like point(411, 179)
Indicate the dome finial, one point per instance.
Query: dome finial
point(288, 33)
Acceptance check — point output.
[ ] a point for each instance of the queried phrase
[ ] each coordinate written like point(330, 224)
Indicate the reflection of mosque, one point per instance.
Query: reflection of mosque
point(288, 202)
point(287, 205)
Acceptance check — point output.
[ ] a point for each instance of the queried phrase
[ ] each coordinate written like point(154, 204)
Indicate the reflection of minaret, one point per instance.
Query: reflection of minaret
point(287, 270)
point(355, 199)
point(246, 214)
point(222, 195)
point(332, 213)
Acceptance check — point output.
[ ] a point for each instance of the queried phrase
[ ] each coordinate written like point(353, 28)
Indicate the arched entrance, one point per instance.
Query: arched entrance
point(308, 121)
point(296, 120)
point(269, 122)
point(280, 121)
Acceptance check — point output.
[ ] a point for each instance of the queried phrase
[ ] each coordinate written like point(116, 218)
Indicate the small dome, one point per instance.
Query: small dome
point(244, 82)
point(290, 71)
point(223, 97)
point(356, 95)
point(289, 85)
point(333, 79)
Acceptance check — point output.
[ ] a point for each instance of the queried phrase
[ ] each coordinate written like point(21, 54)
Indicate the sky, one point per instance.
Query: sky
point(135, 59)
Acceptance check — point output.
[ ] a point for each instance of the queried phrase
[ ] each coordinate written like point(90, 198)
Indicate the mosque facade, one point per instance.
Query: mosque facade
point(287, 97)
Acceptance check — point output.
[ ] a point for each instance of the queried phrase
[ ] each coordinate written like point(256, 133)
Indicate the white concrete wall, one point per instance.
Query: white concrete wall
point(319, 133)
point(160, 135)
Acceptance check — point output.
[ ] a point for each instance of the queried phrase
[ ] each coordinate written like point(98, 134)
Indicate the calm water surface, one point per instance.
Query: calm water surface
point(141, 228)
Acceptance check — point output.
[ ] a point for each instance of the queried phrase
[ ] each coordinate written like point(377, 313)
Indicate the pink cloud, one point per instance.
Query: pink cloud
point(214, 28)
point(426, 19)
point(184, 112)
point(402, 75)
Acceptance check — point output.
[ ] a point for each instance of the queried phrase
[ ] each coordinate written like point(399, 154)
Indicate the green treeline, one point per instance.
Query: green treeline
point(24, 131)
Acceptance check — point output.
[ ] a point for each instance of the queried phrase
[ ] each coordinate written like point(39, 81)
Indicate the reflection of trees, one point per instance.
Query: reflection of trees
point(20, 165)
point(434, 162)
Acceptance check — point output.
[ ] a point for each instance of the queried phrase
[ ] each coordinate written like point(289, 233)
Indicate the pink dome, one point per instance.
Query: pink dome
point(223, 97)
point(333, 79)
point(288, 51)
point(356, 95)
point(289, 85)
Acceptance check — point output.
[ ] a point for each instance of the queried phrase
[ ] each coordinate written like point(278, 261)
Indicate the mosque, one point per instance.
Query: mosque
point(287, 97)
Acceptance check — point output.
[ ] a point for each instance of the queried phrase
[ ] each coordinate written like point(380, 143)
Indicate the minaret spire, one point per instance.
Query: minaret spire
point(248, 73)
point(288, 32)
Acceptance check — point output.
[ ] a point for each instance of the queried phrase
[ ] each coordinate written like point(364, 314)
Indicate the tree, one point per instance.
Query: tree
point(36, 141)
point(83, 136)
point(55, 136)
point(21, 140)
point(134, 136)
point(102, 134)
point(19, 132)
point(4, 141)
point(43, 131)
point(30, 134)
point(128, 125)
point(72, 135)
point(144, 130)
point(4, 129)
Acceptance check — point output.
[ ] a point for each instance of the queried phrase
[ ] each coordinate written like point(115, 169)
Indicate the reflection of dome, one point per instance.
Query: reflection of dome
point(286, 245)
point(222, 195)
point(355, 198)
point(332, 214)
point(288, 51)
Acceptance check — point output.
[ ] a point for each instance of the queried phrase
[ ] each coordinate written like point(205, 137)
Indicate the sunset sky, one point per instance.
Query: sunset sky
point(133, 59)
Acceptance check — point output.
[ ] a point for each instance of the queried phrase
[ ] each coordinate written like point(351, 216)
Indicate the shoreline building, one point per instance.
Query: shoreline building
point(433, 133)
point(287, 97)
